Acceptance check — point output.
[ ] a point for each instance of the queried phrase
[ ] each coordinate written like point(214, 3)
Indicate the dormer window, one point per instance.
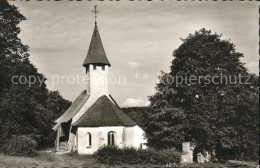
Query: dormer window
point(94, 67)
point(103, 67)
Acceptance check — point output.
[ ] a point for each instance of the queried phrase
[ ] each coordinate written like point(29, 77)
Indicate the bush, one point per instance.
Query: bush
point(108, 155)
point(20, 146)
point(116, 156)
point(164, 156)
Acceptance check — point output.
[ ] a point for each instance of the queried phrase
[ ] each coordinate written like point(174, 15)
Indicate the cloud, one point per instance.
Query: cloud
point(132, 102)
point(147, 103)
point(133, 64)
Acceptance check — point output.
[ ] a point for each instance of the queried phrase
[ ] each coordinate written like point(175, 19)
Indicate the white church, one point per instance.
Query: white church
point(94, 119)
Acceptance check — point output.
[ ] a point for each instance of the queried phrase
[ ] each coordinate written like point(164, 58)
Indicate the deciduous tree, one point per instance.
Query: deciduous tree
point(25, 108)
point(214, 104)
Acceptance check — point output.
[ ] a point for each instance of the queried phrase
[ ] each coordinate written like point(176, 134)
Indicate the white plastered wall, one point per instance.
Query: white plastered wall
point(98, 80)
point(133, 137)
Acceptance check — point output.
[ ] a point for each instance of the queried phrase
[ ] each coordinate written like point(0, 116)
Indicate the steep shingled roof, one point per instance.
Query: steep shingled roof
point(96, 53)
point(73, 109)
point(104, 113)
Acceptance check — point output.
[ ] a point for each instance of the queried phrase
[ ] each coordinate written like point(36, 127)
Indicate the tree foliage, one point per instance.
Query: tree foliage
point(222, 114)
point(136, 114)
point(165, 127)
point(25, 108)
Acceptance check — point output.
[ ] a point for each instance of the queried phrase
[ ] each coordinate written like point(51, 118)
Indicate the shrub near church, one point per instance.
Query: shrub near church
point(118, 156)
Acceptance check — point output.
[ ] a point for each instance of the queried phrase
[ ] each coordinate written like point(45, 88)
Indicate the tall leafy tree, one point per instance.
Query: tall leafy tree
point(25, 108)
point(12, 51)
point(136, 114)
point(204, 82)
point(165, 127)
point(56, 105)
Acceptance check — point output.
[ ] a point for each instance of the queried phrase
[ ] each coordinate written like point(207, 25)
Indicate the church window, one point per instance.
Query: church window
point(88, 140)
point(103, 67)
point(94, 67)
point(111, 136)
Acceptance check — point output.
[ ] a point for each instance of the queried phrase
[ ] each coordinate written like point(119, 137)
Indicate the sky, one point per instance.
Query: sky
point(139, 38)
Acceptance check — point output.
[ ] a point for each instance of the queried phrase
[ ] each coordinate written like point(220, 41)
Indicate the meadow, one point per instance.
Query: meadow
point(50, 159)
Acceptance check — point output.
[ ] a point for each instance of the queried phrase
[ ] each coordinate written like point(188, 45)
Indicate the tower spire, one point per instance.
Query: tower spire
point(96, 53)
point(95, 13)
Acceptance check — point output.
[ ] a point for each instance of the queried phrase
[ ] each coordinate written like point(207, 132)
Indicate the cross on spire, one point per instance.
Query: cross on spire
point(95, 12)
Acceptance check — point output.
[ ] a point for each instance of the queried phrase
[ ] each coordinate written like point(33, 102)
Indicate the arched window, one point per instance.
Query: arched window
point(111, 137)
point(88, 139)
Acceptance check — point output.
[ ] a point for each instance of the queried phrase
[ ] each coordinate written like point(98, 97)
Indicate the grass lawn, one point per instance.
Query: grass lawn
point(51, 159)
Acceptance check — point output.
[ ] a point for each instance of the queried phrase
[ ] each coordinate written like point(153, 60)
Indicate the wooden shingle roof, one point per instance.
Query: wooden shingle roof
point(96, 53)
point(73, 109)
point(104, 113)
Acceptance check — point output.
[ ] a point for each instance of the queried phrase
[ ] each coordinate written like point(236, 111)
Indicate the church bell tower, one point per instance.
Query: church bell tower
point(96, 64)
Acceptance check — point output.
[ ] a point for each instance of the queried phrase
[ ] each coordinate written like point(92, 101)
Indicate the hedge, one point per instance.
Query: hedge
point(22, 145)
point(116, 156)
